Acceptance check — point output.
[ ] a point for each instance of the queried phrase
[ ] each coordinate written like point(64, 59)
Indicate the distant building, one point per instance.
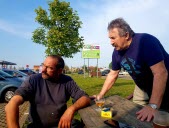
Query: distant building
point(36, 68)
point(74, 69)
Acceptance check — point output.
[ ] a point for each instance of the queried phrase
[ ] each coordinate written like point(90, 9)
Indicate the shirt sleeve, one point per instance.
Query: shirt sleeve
point(153, 50)
point(75, 91)
point(115, 64)
point(25, 90)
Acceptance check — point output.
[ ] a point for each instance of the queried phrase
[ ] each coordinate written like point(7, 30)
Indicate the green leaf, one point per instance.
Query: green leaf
point(59, 31)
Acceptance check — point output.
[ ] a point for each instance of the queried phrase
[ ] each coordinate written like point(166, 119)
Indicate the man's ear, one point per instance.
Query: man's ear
point(127, 36)
point(60, 70)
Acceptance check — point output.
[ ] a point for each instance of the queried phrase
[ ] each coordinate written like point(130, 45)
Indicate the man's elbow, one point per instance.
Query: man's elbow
point(162, 74)
point(165, 74)
point(15, 102)
point(85, 100)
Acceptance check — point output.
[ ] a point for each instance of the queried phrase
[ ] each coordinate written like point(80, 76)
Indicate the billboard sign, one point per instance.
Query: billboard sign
point(91, 51)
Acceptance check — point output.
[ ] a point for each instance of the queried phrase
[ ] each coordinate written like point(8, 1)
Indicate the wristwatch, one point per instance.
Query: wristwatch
point(153, 106)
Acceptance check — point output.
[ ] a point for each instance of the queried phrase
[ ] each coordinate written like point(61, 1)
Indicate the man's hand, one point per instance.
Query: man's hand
point(66, 119)
point(92, 97)
point(96, 97)
point(146, 113)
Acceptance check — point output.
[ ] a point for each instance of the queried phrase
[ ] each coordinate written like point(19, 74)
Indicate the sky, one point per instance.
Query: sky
point(17, 22)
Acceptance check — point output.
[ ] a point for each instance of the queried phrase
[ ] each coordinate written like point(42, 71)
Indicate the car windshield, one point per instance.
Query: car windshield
point(22, 73)
point(4, 74)
point(1, 77)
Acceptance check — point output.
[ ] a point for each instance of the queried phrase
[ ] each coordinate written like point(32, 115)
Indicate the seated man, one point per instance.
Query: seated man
point(48, 93)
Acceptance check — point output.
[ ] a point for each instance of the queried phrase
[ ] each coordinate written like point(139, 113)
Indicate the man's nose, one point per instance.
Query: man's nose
point(112, 43)
point(44, 68)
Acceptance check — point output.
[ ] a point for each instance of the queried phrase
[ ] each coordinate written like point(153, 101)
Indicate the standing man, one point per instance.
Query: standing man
point(47, 93)
point(145, 59)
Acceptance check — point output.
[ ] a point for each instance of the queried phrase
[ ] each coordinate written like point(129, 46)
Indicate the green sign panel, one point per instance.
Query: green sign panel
point(91, 51)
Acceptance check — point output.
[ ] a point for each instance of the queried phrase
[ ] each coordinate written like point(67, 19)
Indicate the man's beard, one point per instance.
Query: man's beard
point(114, 45)
point(45, 76)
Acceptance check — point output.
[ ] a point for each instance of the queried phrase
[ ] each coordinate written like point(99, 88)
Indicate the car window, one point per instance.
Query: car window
point(4, 74)
point(29, 72)
point(2, 78)
point(22, 73)
point(9, 72)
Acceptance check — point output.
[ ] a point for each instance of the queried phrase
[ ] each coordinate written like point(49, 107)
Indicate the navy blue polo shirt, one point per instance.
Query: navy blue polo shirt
point(144, 51)
point(47, 98)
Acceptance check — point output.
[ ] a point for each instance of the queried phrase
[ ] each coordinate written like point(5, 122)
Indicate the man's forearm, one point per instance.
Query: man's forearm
point(110, 80)
point(12, 116)
point(82, 102)
point(12, 111)
point(159, 85)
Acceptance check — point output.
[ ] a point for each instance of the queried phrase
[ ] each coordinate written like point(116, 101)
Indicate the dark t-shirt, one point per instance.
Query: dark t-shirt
point(48, 99)
point(144, 51)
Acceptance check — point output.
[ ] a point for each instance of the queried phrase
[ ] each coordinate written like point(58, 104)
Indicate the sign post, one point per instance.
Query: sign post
point(91, 52)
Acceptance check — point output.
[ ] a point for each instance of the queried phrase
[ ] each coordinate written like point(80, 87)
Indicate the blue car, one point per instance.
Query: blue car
point(28, 71)
point(8, 85)
point(16, 73)
point(105, 72)
point(80, 72)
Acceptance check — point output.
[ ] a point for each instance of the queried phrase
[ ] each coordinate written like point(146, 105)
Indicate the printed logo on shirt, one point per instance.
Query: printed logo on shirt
point(127, 67)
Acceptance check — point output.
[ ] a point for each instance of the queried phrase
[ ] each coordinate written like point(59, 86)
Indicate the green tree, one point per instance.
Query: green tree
point(66, 68)
point(86, 68)
point(59, 29)
point(110, 65)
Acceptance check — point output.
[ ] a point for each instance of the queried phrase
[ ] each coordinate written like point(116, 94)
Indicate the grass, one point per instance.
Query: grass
point(93, 85)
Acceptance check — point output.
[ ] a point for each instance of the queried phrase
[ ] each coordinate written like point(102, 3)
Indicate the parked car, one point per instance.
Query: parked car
point(16, 73)
point(8, 85)
point(28, 71)
point(123, 73)
point(105, 72)
point(80, 72)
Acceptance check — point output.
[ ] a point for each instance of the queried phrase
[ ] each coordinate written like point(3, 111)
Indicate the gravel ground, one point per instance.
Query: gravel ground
point(23, 113)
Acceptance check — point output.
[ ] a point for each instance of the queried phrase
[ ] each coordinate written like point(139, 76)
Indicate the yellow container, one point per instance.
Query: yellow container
point(107, 114)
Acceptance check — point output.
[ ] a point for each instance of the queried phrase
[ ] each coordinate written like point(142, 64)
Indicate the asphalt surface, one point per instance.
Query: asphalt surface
point(23, 113)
